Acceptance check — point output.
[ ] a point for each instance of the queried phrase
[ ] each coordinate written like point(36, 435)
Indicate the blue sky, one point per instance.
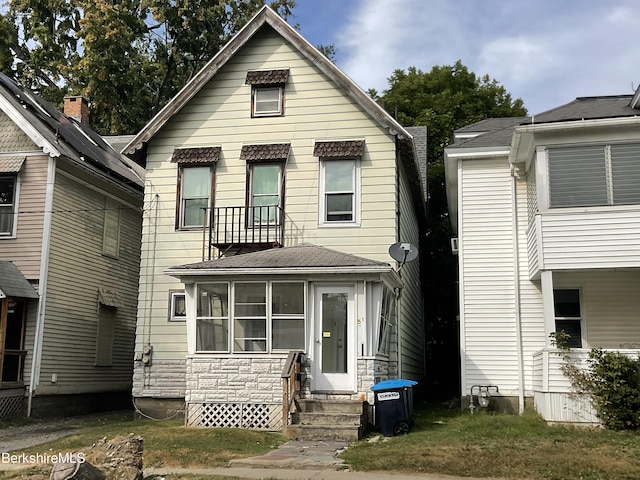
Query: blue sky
point(546, 52)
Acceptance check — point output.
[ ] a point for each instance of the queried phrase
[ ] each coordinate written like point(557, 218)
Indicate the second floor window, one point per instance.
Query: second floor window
point(196, 167)
point(338, 191)
point(264, 192)
point(7, 203)
point(594, 175)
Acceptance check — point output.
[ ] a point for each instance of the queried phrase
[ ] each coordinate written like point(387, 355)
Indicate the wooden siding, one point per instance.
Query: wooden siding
point(603, 237)
point(220, 115)
point(489, 349)
point(411, 331)
point(77, 269)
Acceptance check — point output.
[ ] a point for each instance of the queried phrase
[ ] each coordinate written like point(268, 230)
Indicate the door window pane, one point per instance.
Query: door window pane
point(334, 332)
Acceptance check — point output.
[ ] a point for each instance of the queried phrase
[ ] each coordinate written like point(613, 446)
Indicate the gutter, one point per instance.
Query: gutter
point(42, 283)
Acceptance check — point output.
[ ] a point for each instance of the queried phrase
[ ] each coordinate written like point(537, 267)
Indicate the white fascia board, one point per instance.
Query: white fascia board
point(478, 152)
point(201, 272)
point(36, 137)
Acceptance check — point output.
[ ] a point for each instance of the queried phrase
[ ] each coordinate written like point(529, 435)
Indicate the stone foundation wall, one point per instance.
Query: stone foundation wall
point(163, 379)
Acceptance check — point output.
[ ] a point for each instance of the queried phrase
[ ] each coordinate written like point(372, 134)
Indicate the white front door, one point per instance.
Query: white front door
point(334, 355)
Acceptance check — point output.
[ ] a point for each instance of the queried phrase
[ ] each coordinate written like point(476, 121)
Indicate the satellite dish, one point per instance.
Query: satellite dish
point(403, 252)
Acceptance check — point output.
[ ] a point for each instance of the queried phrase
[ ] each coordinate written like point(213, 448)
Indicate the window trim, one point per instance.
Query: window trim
point(179, 224)
point(580, 319)
point(255, 101)
point(14, 206)
point(322, 213)
point(172, 316)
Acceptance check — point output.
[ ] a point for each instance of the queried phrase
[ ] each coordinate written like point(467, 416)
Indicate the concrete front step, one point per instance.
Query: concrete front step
point(326, 418)
point(341, 433)
point(331, 406)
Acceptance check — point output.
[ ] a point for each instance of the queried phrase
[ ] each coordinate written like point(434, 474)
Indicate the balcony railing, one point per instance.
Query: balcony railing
point(254, 226)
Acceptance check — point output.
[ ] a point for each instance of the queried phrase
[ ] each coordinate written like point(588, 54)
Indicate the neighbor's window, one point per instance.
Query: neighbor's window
point(111, 233)
point(177, 306)
point(568, 316)
point(338, 191)
point(594, 175)
point(195, 195)
point(105, 335)
point(264, 192)
point(8, 190)
point(212, 318)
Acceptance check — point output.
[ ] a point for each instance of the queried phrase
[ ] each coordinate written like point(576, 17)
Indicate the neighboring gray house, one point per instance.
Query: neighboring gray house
point(546, 210)
point(70, 227)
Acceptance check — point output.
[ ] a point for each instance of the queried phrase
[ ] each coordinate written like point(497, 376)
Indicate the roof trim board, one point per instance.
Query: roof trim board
point(265, 16)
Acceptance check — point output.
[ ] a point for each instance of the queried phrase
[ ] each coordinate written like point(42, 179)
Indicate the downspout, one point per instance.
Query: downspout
point(42, 283)
point(516, 288)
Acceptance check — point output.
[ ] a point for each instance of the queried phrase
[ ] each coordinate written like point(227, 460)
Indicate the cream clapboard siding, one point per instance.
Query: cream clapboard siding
point(220, 115)
point(25, 249)
point(604, 237)
point(411, 309)
point(77, 268)
point(488, 336)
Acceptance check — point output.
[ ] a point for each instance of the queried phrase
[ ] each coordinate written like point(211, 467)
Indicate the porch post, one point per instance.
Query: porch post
point(548, 309)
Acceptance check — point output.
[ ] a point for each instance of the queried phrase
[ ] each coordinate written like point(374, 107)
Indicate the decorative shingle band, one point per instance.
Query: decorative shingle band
point(267, 77)
point(196, 155)
point(339, 148)
point(11, 164)
point(278, 152)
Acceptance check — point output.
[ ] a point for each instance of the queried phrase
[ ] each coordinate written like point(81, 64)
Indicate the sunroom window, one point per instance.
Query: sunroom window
point(594, 175)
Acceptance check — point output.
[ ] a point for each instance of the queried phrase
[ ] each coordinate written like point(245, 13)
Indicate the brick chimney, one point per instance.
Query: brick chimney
point(77, 107)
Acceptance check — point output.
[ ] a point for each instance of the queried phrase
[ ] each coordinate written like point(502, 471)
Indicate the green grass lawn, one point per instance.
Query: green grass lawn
point(507, 446)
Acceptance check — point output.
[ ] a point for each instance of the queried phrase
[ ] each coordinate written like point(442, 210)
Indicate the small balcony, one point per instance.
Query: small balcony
point(235, 230)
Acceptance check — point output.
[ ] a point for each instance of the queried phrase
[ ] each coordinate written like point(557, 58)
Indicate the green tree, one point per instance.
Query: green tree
point(444, 99)
point(129, 57)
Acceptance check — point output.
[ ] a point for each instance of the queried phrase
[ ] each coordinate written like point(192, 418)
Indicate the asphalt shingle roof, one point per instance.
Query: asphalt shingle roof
point(196, 155)
point(303, 255)
point(13, 283)
point(267, 77)
point(265, 152)
point(339, 148)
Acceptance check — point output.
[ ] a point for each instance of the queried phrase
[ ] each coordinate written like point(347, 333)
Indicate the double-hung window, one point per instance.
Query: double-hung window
point(568, 315)
point(212, 317)
point(196, 169)
point(339, 201)
point(594, 175)
point(8, 189)
point(9, 170)
point(267, 92)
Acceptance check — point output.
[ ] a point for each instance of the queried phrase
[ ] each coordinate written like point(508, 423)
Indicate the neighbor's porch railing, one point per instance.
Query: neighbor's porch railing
point(291, 384)
point(240, 226)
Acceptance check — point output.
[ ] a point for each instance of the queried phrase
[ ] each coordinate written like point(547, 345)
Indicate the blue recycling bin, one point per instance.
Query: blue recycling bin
point(393, 405)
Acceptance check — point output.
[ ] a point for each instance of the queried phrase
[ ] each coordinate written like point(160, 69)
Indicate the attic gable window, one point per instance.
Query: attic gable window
point(267, 91)
point(594, 175)
point(196, 174)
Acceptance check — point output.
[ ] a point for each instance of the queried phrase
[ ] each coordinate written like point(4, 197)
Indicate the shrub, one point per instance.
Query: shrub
point(613, 382)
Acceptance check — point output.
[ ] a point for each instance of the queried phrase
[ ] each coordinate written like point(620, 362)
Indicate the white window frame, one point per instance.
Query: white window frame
point(580, 319)
point(14, 205)
point(256, 91)
point(174, 296)
point(322, 198)
point(228, 318)
point(252, 195)
point(183, 198)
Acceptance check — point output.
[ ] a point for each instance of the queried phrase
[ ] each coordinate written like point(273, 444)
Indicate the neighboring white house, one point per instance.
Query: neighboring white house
point(275, 187)
point(546, 210)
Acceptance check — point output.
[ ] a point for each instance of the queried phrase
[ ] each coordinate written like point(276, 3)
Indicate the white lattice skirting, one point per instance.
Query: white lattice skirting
point(255, 416)
point(10, 406)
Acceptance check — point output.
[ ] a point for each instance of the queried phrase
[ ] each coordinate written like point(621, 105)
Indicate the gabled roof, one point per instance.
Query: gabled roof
point(61, 136)
point(302, 258)
point(13, 283)
point(265, 16)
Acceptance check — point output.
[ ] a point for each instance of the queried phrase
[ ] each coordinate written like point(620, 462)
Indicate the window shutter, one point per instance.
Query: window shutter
point(111, 234)
point(577, 176)
point(625, 169)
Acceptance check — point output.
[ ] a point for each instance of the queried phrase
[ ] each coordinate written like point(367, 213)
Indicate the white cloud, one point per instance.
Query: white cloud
point(545, 52)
